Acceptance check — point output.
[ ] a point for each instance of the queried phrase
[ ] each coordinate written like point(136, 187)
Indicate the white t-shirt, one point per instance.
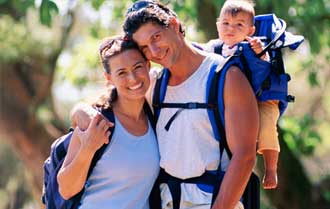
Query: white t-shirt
point(189, 148)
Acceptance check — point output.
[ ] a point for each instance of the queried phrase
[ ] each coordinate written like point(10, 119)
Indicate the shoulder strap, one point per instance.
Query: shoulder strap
point(160, 91)
point(150, 115)
point(212, 92)
point(108, 113)
point(218, 48)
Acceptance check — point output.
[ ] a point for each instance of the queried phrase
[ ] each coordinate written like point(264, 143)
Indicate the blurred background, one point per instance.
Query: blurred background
point(49, 61)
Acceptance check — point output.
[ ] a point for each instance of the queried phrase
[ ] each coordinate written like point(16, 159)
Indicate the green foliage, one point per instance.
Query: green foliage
point(16, 8)
point(97, 3)
point(47, 10)
point(80, 65)
point(16, 43)
point(25, 41)
point(300, 134)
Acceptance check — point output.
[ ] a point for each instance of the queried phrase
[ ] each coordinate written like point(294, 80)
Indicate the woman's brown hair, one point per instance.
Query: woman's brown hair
point(110, 47)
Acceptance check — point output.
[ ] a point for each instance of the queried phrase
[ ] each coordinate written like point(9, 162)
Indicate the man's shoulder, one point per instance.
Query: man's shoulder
point(216, 59)
point(212, 44)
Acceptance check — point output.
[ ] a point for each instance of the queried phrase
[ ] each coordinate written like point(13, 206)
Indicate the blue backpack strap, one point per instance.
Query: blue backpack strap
point(150, 115)
point(218, 49)
point(160, 91)
point(159, 95)
point(215, 87)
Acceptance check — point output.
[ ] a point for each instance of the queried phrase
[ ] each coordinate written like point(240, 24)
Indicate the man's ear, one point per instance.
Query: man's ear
point(174, 23)
point(252, 30)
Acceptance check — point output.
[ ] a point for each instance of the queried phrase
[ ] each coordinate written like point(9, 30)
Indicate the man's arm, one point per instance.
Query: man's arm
point(242, 123)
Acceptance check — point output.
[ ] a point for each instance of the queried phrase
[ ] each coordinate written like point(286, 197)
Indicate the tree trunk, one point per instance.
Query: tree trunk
point(22, 89)
point(206, 15)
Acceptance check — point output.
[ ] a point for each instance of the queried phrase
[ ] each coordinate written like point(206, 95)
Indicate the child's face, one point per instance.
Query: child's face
point(234, 29)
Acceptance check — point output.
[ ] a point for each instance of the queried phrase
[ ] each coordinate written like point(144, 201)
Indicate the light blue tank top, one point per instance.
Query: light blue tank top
point(125, 174)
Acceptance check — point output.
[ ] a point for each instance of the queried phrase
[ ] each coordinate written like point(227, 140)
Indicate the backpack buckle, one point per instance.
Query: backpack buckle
point(191, 105)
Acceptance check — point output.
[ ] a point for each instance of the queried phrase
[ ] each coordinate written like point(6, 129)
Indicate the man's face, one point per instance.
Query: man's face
point(159, 44)
point(234, 29)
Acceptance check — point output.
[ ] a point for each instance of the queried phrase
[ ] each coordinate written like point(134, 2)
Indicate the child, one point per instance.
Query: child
point(234, 25)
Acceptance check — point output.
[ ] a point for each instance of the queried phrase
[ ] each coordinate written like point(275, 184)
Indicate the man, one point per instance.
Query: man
point(187, 146)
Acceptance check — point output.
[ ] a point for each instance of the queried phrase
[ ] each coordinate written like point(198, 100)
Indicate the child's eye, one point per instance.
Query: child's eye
point(225, 23)
point(240, 25)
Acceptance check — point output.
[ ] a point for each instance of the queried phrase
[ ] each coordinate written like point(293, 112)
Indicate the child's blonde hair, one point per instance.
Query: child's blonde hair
point(234, 7)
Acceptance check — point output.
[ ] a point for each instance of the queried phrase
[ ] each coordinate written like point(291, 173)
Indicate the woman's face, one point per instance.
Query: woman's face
point(129, 73)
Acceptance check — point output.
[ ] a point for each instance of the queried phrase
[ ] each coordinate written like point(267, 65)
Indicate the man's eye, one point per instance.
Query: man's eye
point(156, 37)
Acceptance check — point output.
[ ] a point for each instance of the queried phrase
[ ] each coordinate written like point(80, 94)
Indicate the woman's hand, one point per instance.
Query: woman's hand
point(95, 135)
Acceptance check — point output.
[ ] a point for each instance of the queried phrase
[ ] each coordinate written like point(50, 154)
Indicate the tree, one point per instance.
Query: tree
point(28, 64)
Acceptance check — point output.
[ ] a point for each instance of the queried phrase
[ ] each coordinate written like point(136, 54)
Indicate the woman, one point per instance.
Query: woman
point(124, 176)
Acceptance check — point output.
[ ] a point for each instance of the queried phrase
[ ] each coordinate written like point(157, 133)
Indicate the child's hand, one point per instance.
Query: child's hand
point(256, 45)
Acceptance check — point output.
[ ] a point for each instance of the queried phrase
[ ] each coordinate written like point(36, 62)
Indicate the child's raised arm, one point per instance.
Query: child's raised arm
point(257, 47)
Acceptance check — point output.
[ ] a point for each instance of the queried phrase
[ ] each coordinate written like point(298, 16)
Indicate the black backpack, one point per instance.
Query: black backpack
point(50, 195)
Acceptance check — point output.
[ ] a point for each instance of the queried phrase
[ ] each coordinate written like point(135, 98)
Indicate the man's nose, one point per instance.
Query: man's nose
point(154, 50)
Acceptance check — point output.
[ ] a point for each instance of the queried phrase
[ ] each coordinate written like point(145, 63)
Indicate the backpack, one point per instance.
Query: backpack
point(268, 80)
point(50, 195)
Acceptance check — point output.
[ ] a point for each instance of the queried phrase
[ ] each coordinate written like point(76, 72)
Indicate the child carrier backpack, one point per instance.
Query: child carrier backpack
point(51, 196)
point(268, 80)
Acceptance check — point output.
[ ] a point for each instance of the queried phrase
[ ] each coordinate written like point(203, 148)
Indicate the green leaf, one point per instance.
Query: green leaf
point(47, 9)
point(97, 4)
point(312, 78)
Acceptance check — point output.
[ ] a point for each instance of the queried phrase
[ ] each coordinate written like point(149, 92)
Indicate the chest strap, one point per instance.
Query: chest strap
point(182, 106)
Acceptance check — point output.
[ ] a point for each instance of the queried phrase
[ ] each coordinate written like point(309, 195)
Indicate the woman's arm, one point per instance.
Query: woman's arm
point(72, 175)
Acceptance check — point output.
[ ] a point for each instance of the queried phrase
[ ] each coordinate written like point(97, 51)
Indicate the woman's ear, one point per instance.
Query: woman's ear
point(107, 77)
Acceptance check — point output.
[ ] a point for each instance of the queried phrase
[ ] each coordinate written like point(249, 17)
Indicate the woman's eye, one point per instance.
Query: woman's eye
point(138, 67)
point(122, 73)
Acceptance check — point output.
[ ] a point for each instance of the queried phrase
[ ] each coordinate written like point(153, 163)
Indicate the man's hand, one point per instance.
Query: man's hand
point(82, 114)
